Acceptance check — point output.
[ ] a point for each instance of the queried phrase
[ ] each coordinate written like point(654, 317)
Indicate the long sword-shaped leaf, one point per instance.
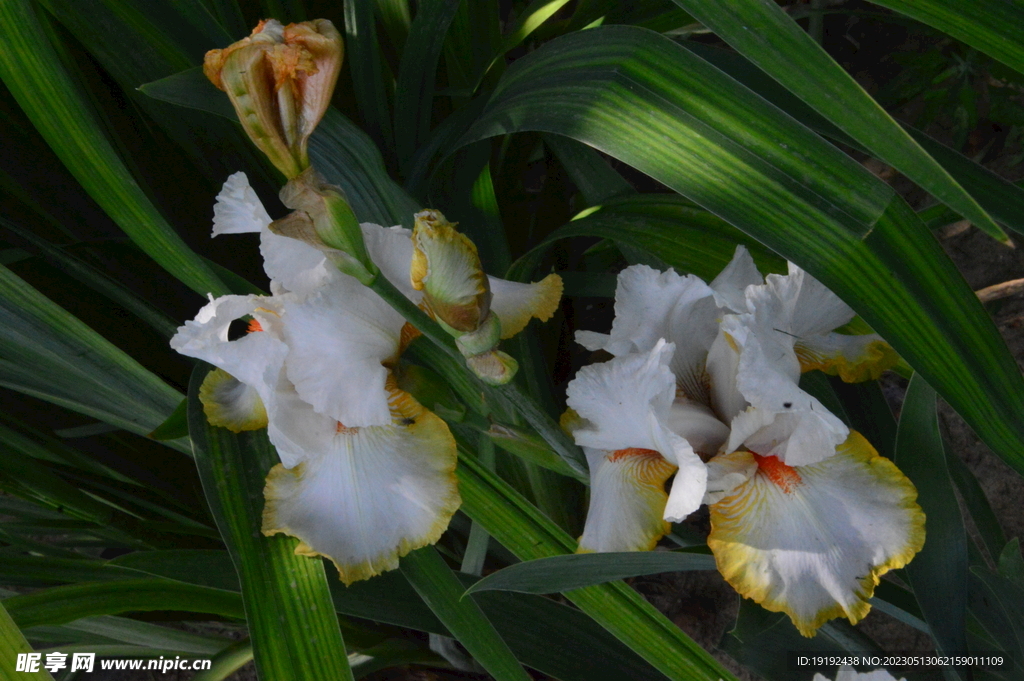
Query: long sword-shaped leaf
point(63, 604)
point(767, 36)
point(288, 608)
point(992, 26)
point(12, 644)
point(938, 574)
point(643, 99)
point(48, 353)
point(33, 73)
point(529, 534)
point(441, 590)
point(563, 573)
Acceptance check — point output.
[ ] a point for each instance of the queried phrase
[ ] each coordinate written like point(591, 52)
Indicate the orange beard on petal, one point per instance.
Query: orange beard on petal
point(784, 477)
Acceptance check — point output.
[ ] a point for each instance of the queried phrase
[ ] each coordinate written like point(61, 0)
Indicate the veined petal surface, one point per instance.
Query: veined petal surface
point(517, 303)
point(338, 337)
point(627, 500)
point(852, 358)
point(812, 541)
point(368, 496)
point(652, 305)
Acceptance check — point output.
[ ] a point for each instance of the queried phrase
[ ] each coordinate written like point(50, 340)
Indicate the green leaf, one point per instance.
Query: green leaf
point(683, 236)
point(205, 567)
point(191, 88)
point(646, 101)
point(977, 504)
point(564, 573)
point(529, 534)
point(766, 35)
point(291, 622)
point(989, 25)
point(63, 604)
point(533, 449)
point(938, 574)
point(175, 426)
point(596, 180)
point(998, 604)
point(414, 89)
point(365, 63)
point(124, 630)
point(1011, 564)
point(227, 662)
point(47, 353)
point(11, 644)
point(31, 70)
point(1001, 199)
point(440, 589)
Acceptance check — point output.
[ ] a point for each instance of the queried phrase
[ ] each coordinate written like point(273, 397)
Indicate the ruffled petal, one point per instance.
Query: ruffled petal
point(369, 495)
point(767, 376)
point(731, 283)
point(446, 267)
point(231, 404)
point(338, 338)
point(625, 401)
point(516, 303)
point(810, 308)
point(852, 358)
point(812, 541)
point(255, 359)
point(652, 305)
point(627, 500)
point(237, 209)
point(726, 473)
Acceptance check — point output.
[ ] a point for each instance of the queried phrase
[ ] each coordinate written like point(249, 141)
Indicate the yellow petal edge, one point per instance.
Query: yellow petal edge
point(436, 441)
point(875, 358)
point(735, 560)
point(229, 403)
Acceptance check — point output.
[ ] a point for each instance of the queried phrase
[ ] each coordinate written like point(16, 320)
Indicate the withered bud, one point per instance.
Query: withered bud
point(280, 80)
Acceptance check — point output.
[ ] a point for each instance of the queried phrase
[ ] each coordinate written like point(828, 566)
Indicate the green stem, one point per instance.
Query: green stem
point(508, 393)
point(227, 661)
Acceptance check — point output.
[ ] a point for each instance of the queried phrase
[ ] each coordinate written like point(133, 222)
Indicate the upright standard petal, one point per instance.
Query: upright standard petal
point(731, 283)
point(812, 541)
point(339, 338)
point(652, 305)
point(627, 500)
point(368, 496)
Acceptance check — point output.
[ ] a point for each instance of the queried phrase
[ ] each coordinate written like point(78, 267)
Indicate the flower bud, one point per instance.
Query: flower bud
point(446, 267)
point(280, 80)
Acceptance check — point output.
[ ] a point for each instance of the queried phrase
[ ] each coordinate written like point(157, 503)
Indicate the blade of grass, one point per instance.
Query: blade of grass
point(32, 72)
point(769, 37)
point(938, 574)
point(12, 644)
point(63, 604)
point(294, 630)
point(441, 591)
point(414, 89)
point(48, 353)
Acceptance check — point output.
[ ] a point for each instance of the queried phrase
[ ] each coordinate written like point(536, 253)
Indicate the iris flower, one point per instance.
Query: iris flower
point(366, 473)
point(704, 385)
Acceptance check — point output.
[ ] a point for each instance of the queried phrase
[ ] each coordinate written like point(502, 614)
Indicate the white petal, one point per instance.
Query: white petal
point(231, 404)
point(627, 500)
point(625, 400)
point(723, 363)
point(812, 308)
point(730, 284)
point(338, 338)
point(767, 377)
point(688, 487)
point(294, 265)
point(812, 541)
point(726, 473)
point(237, 209)
point(697, 425)
point(255, 359)
point(516, 303)
point(391, 248)
point(852, 358)
point(369, 495)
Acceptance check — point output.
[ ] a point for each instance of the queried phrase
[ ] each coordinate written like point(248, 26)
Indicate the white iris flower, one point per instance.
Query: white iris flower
point(704, 384)
point(367, 474)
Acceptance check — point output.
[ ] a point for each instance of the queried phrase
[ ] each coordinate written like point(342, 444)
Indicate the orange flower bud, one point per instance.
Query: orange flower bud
point(280, 80)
